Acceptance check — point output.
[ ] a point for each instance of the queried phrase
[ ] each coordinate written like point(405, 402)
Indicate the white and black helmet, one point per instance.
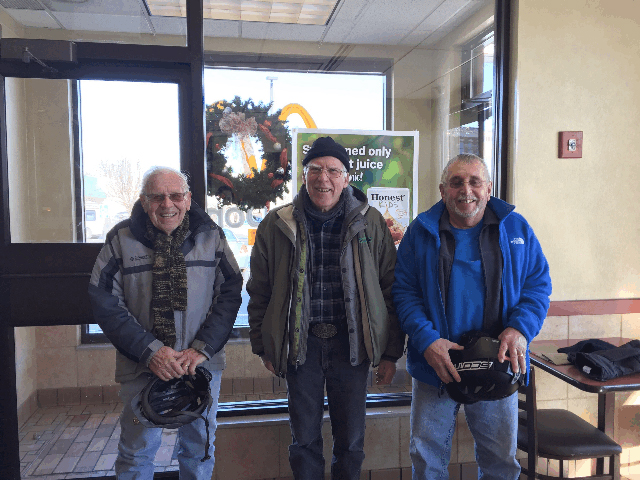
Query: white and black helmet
point(483, 376)
point(176, 402)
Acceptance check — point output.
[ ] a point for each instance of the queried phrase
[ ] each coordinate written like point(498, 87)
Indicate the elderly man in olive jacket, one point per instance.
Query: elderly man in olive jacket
point(320, 309)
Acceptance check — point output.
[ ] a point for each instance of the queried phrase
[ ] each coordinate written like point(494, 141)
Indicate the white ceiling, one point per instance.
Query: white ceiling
point(410, 23)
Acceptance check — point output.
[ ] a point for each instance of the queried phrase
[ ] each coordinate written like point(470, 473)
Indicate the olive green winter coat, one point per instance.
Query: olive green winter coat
point(279, 287)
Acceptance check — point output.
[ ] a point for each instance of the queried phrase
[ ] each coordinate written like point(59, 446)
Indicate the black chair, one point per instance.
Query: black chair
point(560, 435)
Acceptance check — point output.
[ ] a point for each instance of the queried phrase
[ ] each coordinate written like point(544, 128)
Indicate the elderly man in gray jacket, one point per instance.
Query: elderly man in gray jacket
point(320, 309)
point(165, 289)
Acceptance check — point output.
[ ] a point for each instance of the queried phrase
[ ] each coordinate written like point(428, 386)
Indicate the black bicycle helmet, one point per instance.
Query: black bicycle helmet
point(176, 402)
point(483, 377)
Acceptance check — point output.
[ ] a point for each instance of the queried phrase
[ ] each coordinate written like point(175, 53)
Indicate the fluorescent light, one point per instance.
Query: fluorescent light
point(307, 12)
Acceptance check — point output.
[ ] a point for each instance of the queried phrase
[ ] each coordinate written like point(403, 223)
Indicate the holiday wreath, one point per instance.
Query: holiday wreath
point(261, 182)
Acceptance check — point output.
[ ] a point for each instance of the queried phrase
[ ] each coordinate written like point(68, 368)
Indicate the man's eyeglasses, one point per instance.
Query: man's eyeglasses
point(473, 183)
point(315, 171)
point(176, 197)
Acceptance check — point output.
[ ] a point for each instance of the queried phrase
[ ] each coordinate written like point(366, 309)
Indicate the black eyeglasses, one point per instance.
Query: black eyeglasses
point(176, 197)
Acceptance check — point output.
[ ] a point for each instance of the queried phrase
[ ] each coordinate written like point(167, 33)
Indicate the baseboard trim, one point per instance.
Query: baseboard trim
point(594, 307)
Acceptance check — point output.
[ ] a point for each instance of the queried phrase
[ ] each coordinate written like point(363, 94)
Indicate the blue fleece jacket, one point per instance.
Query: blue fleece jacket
point(526, 284)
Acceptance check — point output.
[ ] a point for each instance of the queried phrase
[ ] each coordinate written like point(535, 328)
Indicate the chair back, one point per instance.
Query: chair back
point(527, 423)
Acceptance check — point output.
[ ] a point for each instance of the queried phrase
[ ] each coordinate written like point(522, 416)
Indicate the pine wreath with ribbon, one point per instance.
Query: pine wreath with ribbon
point(255, 187)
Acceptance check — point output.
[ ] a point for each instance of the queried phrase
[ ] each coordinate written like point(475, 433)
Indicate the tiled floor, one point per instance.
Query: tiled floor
point(79, 441)
point(60, 443)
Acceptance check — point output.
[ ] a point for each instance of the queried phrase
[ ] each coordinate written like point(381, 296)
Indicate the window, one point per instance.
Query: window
point(282, 88)
point(476, 97)
point(471, 110)
point(126, 128)
point(136, 113)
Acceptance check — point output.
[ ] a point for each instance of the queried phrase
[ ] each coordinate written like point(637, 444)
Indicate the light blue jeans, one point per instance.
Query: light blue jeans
point(138, 444)
point(494, 426)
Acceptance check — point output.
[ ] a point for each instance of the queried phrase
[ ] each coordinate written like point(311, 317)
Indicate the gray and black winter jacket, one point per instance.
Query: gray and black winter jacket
point(120, 291)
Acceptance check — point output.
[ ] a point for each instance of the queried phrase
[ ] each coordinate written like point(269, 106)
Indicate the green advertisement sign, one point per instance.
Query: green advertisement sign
point(384, 161)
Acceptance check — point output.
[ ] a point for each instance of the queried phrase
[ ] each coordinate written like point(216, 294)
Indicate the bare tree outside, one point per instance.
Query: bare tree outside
point(121, 180)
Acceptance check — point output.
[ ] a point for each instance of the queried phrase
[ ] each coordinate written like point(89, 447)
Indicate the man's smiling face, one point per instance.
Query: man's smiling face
point(323, 189)
point(166, 215)
point(466, 193)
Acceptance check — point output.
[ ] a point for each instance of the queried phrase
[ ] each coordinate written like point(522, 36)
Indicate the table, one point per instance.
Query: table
point(605, 390)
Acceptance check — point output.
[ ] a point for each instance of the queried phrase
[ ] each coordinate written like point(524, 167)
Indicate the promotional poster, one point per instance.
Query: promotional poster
point(383, 165)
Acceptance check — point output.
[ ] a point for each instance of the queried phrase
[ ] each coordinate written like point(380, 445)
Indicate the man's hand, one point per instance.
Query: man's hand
point(165, 364)
point(513, 343)
point(437, 355)
point(268, 365)
point(190, 359)
point(385, 373)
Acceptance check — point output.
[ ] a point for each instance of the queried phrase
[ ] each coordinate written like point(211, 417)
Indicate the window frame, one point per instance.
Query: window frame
point(61, 285)
point(476, 108)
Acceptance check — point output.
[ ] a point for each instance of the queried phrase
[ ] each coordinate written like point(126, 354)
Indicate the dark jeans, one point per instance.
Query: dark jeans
point(327, 361)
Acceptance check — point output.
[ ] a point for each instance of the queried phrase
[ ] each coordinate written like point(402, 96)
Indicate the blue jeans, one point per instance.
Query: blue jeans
point(494, 426)
point(327, 363)
point(138, 444)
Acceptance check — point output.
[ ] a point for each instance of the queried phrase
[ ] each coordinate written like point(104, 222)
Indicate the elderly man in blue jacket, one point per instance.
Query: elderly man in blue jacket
point(464, 267)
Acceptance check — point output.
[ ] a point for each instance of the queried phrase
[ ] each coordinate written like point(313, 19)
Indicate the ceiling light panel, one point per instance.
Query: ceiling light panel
point(307, 12)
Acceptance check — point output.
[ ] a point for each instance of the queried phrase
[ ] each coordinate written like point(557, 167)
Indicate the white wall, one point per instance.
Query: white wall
point(578, 68)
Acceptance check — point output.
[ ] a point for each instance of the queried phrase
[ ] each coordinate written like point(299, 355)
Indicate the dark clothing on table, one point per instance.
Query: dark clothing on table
point(603, 361)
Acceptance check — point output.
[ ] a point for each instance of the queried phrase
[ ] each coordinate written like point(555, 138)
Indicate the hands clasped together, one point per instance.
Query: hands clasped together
point(168, 363)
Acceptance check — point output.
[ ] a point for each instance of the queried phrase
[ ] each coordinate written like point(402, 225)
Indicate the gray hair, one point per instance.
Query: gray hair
point(467, 158)
point(153, 171)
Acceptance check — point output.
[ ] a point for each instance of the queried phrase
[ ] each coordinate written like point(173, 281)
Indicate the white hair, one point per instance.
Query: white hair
point(467, 158)
point(153, 171)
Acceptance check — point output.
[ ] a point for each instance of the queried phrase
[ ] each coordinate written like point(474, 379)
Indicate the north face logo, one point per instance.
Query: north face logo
point(517, 241)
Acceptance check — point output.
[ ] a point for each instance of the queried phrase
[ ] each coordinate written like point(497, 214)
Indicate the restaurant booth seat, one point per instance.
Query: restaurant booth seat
point(561, 435)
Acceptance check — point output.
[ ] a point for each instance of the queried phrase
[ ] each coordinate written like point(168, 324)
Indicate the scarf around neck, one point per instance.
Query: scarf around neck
point(169, 284)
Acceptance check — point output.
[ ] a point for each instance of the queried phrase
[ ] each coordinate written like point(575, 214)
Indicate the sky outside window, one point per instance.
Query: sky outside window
point(338, 101)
